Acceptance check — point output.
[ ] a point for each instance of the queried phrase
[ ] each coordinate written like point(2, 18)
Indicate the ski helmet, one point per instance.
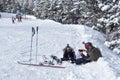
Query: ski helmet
point(88, 44)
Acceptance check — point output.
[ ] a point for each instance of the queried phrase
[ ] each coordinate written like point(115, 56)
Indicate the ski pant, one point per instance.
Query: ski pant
point(81, 61)
point(68, 56)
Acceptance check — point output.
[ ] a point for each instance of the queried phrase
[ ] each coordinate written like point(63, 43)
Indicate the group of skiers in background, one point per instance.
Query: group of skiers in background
point(18, 17)
point(93, 54)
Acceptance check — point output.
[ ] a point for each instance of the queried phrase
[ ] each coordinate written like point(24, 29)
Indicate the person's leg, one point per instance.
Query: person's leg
point(79, 61)
point(86, 61)
point(65, 57)
point(72, 57)
point(59, 61)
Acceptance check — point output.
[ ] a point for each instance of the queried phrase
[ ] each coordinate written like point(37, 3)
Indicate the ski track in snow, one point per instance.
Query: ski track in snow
point(53, 37)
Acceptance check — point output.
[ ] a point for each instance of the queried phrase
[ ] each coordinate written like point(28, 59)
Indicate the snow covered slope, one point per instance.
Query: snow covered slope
point(15, 42)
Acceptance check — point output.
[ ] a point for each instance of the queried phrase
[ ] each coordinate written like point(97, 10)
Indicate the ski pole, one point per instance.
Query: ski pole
point(33, 33)
point(36, 43)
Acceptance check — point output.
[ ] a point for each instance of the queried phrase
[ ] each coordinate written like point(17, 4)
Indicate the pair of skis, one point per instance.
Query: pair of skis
point(41, 64)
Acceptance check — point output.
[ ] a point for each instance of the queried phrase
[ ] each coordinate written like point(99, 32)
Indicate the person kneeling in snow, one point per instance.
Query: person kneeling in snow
point(93, 54)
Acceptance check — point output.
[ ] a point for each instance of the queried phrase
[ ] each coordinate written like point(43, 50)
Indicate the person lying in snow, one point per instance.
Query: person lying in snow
point(93, 54)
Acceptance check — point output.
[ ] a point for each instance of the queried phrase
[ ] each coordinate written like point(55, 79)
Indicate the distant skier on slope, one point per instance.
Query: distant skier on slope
point(68, 54)
point(93, 52)
point(19, 16)
point(0, 16)
point(13, 19)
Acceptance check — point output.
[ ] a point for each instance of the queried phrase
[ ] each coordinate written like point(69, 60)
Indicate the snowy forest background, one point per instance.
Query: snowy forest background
point(101, 15)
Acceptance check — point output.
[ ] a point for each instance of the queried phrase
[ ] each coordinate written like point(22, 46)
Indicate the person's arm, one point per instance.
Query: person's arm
point(64, 49)
point(83, 56)
point(88, 59)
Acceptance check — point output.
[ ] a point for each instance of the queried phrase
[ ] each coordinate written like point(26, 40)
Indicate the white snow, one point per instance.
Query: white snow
point(105, 7)
point(15, 42)
point(100, 5)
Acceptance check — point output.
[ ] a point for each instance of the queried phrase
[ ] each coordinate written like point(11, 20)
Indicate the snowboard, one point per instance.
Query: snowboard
point(41, 64)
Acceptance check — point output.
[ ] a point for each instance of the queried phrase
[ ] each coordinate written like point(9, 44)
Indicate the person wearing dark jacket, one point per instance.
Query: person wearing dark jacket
point(93, 54)
point(68, 54)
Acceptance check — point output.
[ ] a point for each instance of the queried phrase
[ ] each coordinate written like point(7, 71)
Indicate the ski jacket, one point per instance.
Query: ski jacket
point(94, 53)
point(68, 50)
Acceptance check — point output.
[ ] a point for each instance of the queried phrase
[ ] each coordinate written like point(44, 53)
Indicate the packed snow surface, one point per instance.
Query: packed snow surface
point(15, 43)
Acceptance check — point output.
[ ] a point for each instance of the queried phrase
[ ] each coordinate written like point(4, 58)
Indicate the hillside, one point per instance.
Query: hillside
point(15, 43)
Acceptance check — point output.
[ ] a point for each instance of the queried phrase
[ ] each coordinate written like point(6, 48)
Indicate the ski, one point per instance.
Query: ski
point(42, 65)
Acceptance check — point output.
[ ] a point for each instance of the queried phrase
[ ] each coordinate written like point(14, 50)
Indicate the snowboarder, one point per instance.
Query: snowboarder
point(93, 52)
point(68, 54)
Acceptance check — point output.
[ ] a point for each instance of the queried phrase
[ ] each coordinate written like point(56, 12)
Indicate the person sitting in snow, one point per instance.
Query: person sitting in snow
point(82, 57)
point(93, 52)
point(68, 54)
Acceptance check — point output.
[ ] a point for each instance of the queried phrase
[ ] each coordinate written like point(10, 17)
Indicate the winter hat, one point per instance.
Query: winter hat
point(88, 44)
point(68, 45)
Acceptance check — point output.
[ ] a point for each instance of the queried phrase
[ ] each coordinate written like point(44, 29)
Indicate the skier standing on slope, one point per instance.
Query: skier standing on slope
point(93, 52)
point(13, 19)
point(19, 16)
